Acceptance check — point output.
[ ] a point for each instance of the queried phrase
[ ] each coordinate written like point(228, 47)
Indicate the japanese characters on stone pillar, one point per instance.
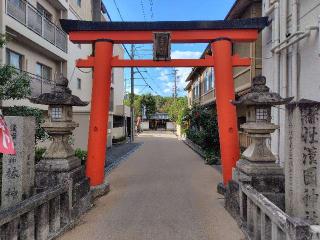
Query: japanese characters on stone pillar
point(303, 159)
point(18, 170)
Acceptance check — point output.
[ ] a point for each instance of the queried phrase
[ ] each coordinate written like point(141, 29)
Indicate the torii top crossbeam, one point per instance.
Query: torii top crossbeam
point(181, 31)
point(238, 30)
point(220, 34)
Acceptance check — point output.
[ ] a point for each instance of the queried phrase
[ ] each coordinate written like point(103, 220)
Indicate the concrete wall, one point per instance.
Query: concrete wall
point(80, 134)
point(307, 66)
point(118, 133)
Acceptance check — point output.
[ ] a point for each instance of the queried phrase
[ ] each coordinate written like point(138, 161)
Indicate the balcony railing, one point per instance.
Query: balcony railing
point(29, 16)
point(40, 85)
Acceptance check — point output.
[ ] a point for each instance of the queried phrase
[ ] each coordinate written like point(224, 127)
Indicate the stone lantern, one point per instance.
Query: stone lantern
point(59, 163)
point(257, 163)
point(258, 119)
point(59, 125)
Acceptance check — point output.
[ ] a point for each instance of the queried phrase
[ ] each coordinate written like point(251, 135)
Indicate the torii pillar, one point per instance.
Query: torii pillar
point(226, 111)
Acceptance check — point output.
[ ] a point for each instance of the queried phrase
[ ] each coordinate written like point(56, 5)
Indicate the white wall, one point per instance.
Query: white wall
point(308, 62)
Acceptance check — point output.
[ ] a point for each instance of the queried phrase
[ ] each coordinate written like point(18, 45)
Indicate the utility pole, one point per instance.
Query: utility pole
point(132, 97)
point(175, 95)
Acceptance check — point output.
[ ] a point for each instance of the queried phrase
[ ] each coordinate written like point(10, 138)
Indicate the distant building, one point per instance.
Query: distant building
point(158, 121)
point(200, 85)
point(41, 48)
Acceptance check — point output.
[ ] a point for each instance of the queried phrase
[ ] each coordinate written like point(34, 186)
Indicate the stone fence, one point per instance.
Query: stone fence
point(42, 216)
point(263, 220)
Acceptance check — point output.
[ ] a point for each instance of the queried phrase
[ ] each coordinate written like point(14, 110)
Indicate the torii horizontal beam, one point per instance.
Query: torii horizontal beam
point(143, 37)
point(238, 30)
point(208, 61)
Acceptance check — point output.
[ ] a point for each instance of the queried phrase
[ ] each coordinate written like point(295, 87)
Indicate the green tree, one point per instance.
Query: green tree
point(149, 102)
point(13, 83)
point(176, 108)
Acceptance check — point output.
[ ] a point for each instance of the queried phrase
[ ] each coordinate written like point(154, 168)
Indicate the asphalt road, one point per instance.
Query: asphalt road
point(163, 191)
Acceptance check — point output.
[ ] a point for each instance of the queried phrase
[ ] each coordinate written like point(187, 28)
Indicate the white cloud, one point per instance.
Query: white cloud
point(182, 74)
point(164, 75)
point(136, 91)
point(185, 54)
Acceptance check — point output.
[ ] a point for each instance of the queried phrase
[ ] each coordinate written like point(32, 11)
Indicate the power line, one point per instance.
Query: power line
point(151, 8)
point(143, 12)
point(125, 48)
point(116, 5)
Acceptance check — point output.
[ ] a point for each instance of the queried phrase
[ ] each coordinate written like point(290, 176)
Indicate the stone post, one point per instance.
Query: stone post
point(18, 170)
point(303, 160)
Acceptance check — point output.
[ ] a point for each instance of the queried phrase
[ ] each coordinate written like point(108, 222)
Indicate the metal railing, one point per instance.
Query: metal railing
point(264, 220)
point(42, 216)
point(29, 16)
point(38, 85)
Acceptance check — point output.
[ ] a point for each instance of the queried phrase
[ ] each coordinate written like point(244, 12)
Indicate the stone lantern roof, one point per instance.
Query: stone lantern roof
point(260, 95)
point(61, 95)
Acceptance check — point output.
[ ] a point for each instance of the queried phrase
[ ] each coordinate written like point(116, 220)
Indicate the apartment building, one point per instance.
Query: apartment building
point(200, 85)
point(38, 46)
point(291, 60)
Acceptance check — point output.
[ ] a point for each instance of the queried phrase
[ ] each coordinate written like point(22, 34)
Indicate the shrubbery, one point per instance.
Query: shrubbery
point(82, 154)
point(202, 129)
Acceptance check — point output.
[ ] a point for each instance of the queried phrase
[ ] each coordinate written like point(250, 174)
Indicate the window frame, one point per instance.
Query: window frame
point(42, 67)
point(79, 83)
point(78, 2)
point(44, 12)
point(8, 52)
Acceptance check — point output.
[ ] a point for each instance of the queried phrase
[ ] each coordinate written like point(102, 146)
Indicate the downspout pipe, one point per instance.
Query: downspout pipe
point(295, 87)
point(276, 57)
point(304, 35)
point(276, 63)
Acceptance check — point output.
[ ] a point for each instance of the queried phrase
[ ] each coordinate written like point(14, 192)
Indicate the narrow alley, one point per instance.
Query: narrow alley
point(162, 191)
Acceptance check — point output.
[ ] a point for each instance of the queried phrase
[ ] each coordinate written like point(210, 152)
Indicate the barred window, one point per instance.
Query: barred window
point(262, 114)
point(56, 113)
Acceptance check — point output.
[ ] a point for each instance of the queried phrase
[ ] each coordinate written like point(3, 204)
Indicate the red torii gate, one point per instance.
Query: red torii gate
point(220, 34)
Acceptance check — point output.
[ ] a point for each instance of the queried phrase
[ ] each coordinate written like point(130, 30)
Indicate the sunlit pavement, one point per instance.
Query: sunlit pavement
point(163, 191)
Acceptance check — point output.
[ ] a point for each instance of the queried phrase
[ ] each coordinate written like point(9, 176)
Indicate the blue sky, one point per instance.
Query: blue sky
point(161, 79)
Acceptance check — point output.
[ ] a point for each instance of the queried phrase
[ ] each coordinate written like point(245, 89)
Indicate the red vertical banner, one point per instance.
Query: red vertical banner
point(6, 141)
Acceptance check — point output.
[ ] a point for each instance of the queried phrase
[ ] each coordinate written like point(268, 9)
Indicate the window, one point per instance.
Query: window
point(56, 113)
point(111, 107)
point(118, 121)
point(112, 75)
point(43, 71)
point(196, 89)
point(208, 80)
point(210, 76)
point(78, 2)
point(44, 12)
point(14, 59)
point(78, 83)
point(262, 114)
